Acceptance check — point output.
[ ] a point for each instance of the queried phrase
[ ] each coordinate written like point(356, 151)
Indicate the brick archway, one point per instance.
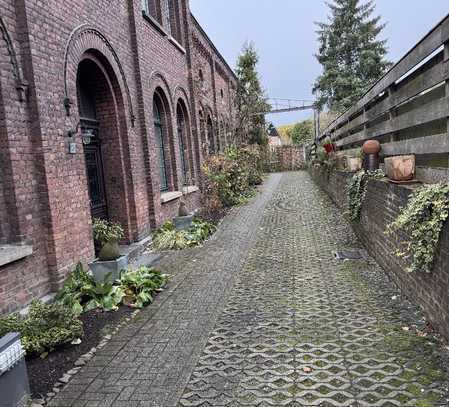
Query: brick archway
point(81, 40)
point(109, 120)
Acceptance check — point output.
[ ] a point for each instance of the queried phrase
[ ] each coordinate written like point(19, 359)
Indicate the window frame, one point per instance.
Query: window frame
point(160, 132)
point(181, 127)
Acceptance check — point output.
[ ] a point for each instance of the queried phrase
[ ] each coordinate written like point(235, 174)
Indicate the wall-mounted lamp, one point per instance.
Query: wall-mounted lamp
point(87, 136)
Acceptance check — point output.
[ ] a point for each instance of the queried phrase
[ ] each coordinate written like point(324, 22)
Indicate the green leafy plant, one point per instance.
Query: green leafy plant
point(45, 327)
point(140, 285)
point(104, 295)
point(105, 231)
point(167, 237)
point(229, 178)
point(321, 154)
point(81, 293)
point(422, 220)
point(356, 191)
point(71, 294)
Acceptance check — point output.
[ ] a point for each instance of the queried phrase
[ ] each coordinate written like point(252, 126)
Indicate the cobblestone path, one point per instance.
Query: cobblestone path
point(263, 315)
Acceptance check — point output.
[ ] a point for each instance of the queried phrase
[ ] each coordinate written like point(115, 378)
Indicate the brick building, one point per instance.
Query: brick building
point(107, 109)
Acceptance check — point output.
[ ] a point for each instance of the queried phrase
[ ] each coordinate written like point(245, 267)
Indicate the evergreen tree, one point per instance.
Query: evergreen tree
point(250, 99)
point(350, 53)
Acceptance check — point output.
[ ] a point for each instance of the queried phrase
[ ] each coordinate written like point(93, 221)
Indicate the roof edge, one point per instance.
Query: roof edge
point(218, 53)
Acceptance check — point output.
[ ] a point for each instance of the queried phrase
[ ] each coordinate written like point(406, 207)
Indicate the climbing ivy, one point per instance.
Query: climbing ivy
point(422, 220)
point(357, 190)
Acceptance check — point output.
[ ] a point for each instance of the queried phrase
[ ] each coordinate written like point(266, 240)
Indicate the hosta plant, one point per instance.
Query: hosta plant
point(422, 221)
point(167, 237)
point(140, 285)
point(81, 293)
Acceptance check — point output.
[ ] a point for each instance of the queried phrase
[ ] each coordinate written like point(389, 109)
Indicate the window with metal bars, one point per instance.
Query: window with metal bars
point(159, 132)
point(167, 15)
point(182, 132)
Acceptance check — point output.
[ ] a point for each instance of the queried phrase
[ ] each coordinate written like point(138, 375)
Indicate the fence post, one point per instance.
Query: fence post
point(392, 113)
point(446, 61)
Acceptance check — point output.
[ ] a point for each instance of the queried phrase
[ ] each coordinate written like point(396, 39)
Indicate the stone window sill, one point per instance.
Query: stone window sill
point(177, 44)
point(10, 253)
point(170, 196)
point(155, 24)
point(190, 189)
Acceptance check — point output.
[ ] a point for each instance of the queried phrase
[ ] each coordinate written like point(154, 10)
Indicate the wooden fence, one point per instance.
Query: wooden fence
point(406, 110)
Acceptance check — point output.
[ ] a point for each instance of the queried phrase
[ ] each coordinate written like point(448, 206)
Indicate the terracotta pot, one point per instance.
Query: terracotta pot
point(400, 168)
point(354, 163)
point(109, 251)
point(371, 147)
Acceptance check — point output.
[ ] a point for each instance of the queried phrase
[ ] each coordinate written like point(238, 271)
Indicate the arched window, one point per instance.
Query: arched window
point(182, 140)
point(210, 135)
point(159, 132)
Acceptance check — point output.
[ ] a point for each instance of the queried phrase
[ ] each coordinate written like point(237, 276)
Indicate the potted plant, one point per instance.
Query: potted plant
point(328, 145)
point(107, 235)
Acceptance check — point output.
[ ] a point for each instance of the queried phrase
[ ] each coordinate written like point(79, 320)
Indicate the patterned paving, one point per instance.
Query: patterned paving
point(263, 315)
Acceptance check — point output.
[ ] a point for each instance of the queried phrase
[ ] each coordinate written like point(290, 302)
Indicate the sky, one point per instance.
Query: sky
point(283, 32)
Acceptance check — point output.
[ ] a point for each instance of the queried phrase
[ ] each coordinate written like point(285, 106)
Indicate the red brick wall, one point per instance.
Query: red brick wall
point(45, 196)
point(381, 207)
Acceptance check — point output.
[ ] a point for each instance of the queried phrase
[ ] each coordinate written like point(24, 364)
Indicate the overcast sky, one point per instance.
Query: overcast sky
point(284, 34)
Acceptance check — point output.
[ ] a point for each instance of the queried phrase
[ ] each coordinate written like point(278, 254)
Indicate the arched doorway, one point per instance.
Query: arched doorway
point(99, 99)
point(90, 125)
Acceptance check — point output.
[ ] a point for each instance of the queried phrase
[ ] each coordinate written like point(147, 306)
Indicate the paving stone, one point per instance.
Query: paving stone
point(264, 315)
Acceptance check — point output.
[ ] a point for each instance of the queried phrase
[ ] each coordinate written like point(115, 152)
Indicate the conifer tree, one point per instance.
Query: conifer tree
point(250, 99)
point(350, 53)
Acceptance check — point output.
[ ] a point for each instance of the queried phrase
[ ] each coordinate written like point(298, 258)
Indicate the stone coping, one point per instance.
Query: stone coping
point(13, 252)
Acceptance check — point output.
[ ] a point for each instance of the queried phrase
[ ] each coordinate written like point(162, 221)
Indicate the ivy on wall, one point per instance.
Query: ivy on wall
point(422, 220)
point(356, 191)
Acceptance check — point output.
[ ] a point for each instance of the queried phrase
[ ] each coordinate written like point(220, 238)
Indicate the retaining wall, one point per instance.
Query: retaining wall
point(381, 206)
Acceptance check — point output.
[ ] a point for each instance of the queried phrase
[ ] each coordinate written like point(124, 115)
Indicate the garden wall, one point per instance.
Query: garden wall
point(286, 158)
point(381, 206)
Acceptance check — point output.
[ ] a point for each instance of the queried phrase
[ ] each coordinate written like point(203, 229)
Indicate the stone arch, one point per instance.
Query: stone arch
point(157, 80)
point(82, 39)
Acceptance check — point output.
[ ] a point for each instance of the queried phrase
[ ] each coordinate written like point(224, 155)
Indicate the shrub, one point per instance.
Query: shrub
point(229, 177)
point(422, 220)
point(45, 327)
point(140, 285)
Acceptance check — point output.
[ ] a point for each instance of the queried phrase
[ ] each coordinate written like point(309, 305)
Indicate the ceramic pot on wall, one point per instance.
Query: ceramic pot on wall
point(400, 168)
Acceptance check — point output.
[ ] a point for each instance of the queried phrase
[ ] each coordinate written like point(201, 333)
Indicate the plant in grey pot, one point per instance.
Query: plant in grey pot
point(107, 235)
